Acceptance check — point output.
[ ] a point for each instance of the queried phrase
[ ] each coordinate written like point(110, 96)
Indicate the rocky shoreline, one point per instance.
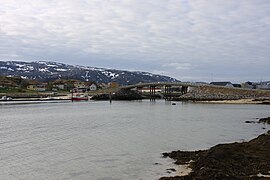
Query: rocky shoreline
point(208, 93)
point(239, 101)
point(119, 95)
point(246, 160)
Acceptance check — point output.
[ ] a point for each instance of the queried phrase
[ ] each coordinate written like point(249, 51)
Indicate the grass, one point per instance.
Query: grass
point(11, 90)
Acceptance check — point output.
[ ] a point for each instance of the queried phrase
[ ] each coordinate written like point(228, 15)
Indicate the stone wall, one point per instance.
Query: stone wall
point(204, 93)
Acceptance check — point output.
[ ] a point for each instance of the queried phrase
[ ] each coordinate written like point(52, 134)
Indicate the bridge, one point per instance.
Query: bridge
point(168, 88)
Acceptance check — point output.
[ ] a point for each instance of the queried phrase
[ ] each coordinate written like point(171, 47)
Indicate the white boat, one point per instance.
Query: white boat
point(6, 98)
point(79, 97)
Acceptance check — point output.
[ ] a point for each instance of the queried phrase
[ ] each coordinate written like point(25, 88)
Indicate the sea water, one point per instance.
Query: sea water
point(123, 140)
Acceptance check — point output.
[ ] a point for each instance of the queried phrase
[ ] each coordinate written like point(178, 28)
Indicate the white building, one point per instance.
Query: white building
point(93, 87)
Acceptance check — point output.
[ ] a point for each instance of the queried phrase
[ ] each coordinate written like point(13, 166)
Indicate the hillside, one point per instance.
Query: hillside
point(11, 81)
point(47, 71)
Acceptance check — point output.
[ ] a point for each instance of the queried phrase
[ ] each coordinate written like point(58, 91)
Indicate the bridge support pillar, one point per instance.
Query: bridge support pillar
point(184, 89)
point(167, 92)
point(152, 92)
point(139, 90)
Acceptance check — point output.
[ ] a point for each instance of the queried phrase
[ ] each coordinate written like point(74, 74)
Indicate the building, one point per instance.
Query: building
point(86, 87)
point(60, 86)
point(223, 83)
point(93, 87)
point(37, 87)
point(263, 85)
point(248, 85)
point(237, 85)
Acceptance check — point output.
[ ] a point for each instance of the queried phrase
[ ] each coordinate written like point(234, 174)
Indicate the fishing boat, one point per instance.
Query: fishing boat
point(79, 97)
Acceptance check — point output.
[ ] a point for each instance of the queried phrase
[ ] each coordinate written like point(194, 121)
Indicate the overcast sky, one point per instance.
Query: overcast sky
point(191, 40)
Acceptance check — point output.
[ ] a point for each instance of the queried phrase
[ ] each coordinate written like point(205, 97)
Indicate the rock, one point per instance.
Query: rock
point(171, 169)
point(250, 122)
point(227, 161)
point(100, 97)
point(206, 93)
point(126, 95)
point(119, 95)
point(265, 120)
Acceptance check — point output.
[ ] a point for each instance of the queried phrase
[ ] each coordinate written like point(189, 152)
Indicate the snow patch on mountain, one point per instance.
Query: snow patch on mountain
point(47, 70)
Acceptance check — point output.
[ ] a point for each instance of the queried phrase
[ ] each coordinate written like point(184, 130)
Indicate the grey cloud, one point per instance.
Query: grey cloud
point(149, 35)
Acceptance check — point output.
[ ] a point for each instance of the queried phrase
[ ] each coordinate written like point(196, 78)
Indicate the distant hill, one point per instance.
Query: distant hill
point(47, 71)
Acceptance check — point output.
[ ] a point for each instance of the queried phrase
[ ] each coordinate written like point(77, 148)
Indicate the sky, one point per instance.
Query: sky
point(191, 40)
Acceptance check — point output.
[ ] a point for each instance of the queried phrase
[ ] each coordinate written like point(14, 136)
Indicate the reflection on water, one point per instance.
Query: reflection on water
point(124, 140)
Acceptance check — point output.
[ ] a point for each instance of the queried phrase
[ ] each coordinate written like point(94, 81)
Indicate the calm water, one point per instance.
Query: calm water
point(124, 140)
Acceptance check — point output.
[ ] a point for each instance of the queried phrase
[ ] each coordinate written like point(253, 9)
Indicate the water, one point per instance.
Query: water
point(124, 140)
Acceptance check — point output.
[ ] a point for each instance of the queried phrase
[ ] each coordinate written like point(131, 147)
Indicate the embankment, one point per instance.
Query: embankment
point(214, 93)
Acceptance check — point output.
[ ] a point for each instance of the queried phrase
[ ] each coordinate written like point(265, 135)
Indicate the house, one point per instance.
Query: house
point(60, 86)
point(93, 87)
point(37, 87)
point(237, 85)
point(263, 85)
point(90, 86)
point(248, 85)
point(85, 87)
point(223, 83)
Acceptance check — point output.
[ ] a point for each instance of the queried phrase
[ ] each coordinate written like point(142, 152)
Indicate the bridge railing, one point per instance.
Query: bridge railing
point(187, 84)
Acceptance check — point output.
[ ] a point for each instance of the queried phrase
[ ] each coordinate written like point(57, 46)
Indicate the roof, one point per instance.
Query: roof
point(221, 83)
point(236, 85)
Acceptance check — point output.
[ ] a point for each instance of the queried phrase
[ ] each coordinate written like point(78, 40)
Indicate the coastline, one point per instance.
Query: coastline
point(245, 160)
point(238, 101)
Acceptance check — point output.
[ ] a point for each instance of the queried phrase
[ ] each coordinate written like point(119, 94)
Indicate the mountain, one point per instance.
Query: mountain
point(47, 71)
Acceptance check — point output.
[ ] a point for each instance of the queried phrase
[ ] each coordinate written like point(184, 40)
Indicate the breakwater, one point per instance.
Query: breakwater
point(208, 93)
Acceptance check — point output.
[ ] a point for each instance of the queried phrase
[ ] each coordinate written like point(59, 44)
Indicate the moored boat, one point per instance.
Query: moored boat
point(80, 97)
point(6, 98)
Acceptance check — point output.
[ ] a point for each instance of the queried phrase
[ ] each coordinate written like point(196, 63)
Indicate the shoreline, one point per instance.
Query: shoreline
point(245, 160)
point(238, 101)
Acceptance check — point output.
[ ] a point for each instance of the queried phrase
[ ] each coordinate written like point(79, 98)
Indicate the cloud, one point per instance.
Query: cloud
point(126, 33)
point(178, 66)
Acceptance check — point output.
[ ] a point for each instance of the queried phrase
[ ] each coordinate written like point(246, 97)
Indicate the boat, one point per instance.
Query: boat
point(79, 97)
point(6, 98)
